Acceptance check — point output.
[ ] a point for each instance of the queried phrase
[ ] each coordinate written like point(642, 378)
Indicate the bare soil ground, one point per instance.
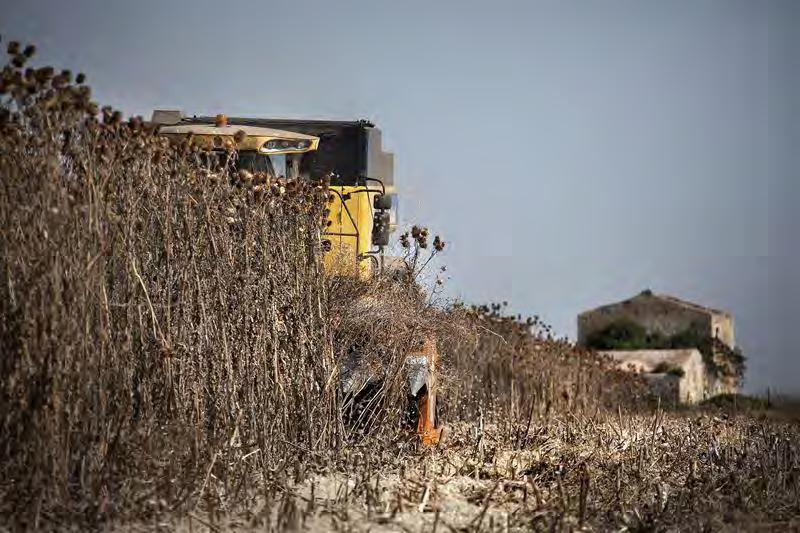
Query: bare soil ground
point(688, 471)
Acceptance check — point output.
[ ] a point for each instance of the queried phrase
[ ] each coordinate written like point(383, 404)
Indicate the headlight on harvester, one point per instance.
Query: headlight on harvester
point(280, 145)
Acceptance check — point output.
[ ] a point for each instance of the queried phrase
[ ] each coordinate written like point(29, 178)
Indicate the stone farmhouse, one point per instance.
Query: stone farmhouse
point(686, 351)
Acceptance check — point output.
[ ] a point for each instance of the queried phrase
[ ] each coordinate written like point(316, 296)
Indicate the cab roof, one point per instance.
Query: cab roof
point(232, 129)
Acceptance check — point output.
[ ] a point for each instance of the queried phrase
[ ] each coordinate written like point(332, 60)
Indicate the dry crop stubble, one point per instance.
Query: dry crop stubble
point(171, 353)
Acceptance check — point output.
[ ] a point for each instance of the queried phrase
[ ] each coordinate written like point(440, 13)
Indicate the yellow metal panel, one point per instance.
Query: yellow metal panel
point(349, 232)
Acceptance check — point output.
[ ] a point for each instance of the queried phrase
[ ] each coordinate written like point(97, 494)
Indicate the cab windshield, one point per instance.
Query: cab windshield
point(247, 160)
point(254, 162)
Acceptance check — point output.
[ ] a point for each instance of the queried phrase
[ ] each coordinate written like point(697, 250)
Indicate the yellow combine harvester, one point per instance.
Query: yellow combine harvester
point(360, 219)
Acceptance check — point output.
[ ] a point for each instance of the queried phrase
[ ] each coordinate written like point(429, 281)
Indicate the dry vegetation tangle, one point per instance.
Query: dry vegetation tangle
point(171, 353)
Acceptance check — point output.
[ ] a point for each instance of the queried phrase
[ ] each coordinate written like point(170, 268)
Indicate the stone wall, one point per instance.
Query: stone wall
point(665, 387)
point(722, 328)
point(692, 387)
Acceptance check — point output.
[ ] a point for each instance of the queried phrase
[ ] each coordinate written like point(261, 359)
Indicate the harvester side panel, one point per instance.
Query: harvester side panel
point(349, 232)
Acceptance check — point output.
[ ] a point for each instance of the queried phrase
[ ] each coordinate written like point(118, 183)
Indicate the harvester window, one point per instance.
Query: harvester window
point(213, 160)
point(278, 162)
point(254, 162)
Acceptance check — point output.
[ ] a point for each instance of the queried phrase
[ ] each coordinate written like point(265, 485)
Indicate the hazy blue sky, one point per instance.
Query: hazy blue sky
point(573, 153)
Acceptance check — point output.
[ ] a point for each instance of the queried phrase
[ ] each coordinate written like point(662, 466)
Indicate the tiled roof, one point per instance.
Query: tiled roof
point(673, 299)
point(664, 298)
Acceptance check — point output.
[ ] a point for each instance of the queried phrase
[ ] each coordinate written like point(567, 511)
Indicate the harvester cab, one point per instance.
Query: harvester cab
point(362, 207)
point(253, 149)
